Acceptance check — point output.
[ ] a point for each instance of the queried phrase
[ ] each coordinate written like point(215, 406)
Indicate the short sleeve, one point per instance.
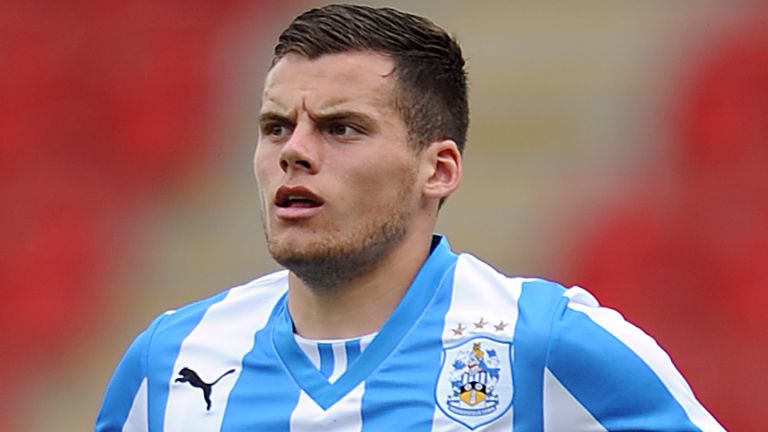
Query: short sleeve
point(125, 401)
point(603, 373)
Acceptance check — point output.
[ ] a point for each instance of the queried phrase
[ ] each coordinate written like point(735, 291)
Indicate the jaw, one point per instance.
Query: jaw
point(330, 255)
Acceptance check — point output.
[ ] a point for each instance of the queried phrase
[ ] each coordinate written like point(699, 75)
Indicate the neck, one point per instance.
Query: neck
point(360, 306)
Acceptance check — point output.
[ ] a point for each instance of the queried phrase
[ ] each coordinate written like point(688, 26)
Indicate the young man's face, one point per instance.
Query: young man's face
point(337, 174)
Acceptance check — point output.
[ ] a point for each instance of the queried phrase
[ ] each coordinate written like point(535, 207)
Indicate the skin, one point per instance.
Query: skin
point(329, 127)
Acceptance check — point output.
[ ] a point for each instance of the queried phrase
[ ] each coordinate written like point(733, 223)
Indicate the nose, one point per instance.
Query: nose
point(302, 151)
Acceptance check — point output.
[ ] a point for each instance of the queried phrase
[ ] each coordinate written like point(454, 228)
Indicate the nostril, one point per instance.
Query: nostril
point(301, 163)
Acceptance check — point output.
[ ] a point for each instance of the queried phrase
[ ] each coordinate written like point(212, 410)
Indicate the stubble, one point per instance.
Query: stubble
point(335, 258)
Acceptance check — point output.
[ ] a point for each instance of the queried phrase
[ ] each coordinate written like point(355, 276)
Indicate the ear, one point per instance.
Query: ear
point(443, 166)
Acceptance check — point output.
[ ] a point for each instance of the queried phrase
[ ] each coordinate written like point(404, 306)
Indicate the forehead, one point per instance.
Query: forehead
point(349, 79)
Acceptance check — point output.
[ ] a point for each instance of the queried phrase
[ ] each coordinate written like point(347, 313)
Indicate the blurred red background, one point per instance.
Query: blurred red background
point(686, 256)
point(104, 105)
point(107, 105)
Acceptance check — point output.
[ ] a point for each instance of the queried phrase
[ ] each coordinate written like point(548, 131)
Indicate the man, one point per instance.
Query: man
point(377, 325)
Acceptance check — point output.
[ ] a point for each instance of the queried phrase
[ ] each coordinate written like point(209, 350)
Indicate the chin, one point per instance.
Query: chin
point(292, 246)
point(324, 261)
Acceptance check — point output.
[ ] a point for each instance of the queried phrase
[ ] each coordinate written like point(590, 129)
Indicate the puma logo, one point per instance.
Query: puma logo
point(191, 377)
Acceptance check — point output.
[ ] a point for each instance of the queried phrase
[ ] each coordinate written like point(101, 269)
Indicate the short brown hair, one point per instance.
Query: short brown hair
point(431, 81)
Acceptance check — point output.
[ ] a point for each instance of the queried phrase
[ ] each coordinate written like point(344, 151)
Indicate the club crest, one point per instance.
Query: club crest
point(475, 383)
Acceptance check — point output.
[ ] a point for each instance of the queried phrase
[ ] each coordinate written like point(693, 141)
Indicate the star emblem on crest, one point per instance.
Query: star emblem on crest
point(500, 326)
point(480, 324)
point(458, 331)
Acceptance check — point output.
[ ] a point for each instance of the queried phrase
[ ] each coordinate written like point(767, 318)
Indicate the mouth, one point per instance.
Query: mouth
point(296, 198)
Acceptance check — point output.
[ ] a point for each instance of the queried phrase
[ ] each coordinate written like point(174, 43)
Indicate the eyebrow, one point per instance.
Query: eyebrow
point(362, 119)
point(344, 115)
point(272, 116)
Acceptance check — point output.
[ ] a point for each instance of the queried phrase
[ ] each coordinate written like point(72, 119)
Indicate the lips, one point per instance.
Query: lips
point(296, 202)
point(296, 196)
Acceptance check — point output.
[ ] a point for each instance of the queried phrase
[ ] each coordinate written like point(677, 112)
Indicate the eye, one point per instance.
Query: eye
point(343, 130)
point(274, 130)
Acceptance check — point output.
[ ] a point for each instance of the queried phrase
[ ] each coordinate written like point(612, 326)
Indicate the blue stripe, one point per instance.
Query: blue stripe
point(352, 349)
point(264, 394)
point(304, 372)
point(539, 301)
point(125, 383)
point(440, 262)
point(614, 384)
point(163, 349)
point(326, 359)
point(395, 397)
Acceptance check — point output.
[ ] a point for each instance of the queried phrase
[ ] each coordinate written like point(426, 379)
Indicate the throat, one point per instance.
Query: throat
point(352, 291)
point(341, 312)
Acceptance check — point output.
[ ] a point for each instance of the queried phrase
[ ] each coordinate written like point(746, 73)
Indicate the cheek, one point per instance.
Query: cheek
point(382, 182)
point(261, 165)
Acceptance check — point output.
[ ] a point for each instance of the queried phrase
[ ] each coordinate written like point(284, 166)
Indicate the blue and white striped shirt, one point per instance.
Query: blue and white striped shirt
point(467, 348)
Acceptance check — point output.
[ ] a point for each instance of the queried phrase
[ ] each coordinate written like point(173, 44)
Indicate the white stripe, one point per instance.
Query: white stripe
point(365, 341)
point(479, 291)
point(339, 361)
point(137, 416)
point(217, 344)
point(562, 412)
point(343, 416)
point(651, 353)
point(310, 349)
point(441, 423)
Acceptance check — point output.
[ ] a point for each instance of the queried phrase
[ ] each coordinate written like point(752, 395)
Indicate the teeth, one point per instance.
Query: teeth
point(297, 198)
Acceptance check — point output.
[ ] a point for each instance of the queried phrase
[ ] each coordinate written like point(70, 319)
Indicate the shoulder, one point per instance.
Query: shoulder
point(263, 292)
point(528, 304)
point(527, 291)
point(594, 352)
point(150, 361)
point(594, 368)
point(237, 312)
point(266, 285)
